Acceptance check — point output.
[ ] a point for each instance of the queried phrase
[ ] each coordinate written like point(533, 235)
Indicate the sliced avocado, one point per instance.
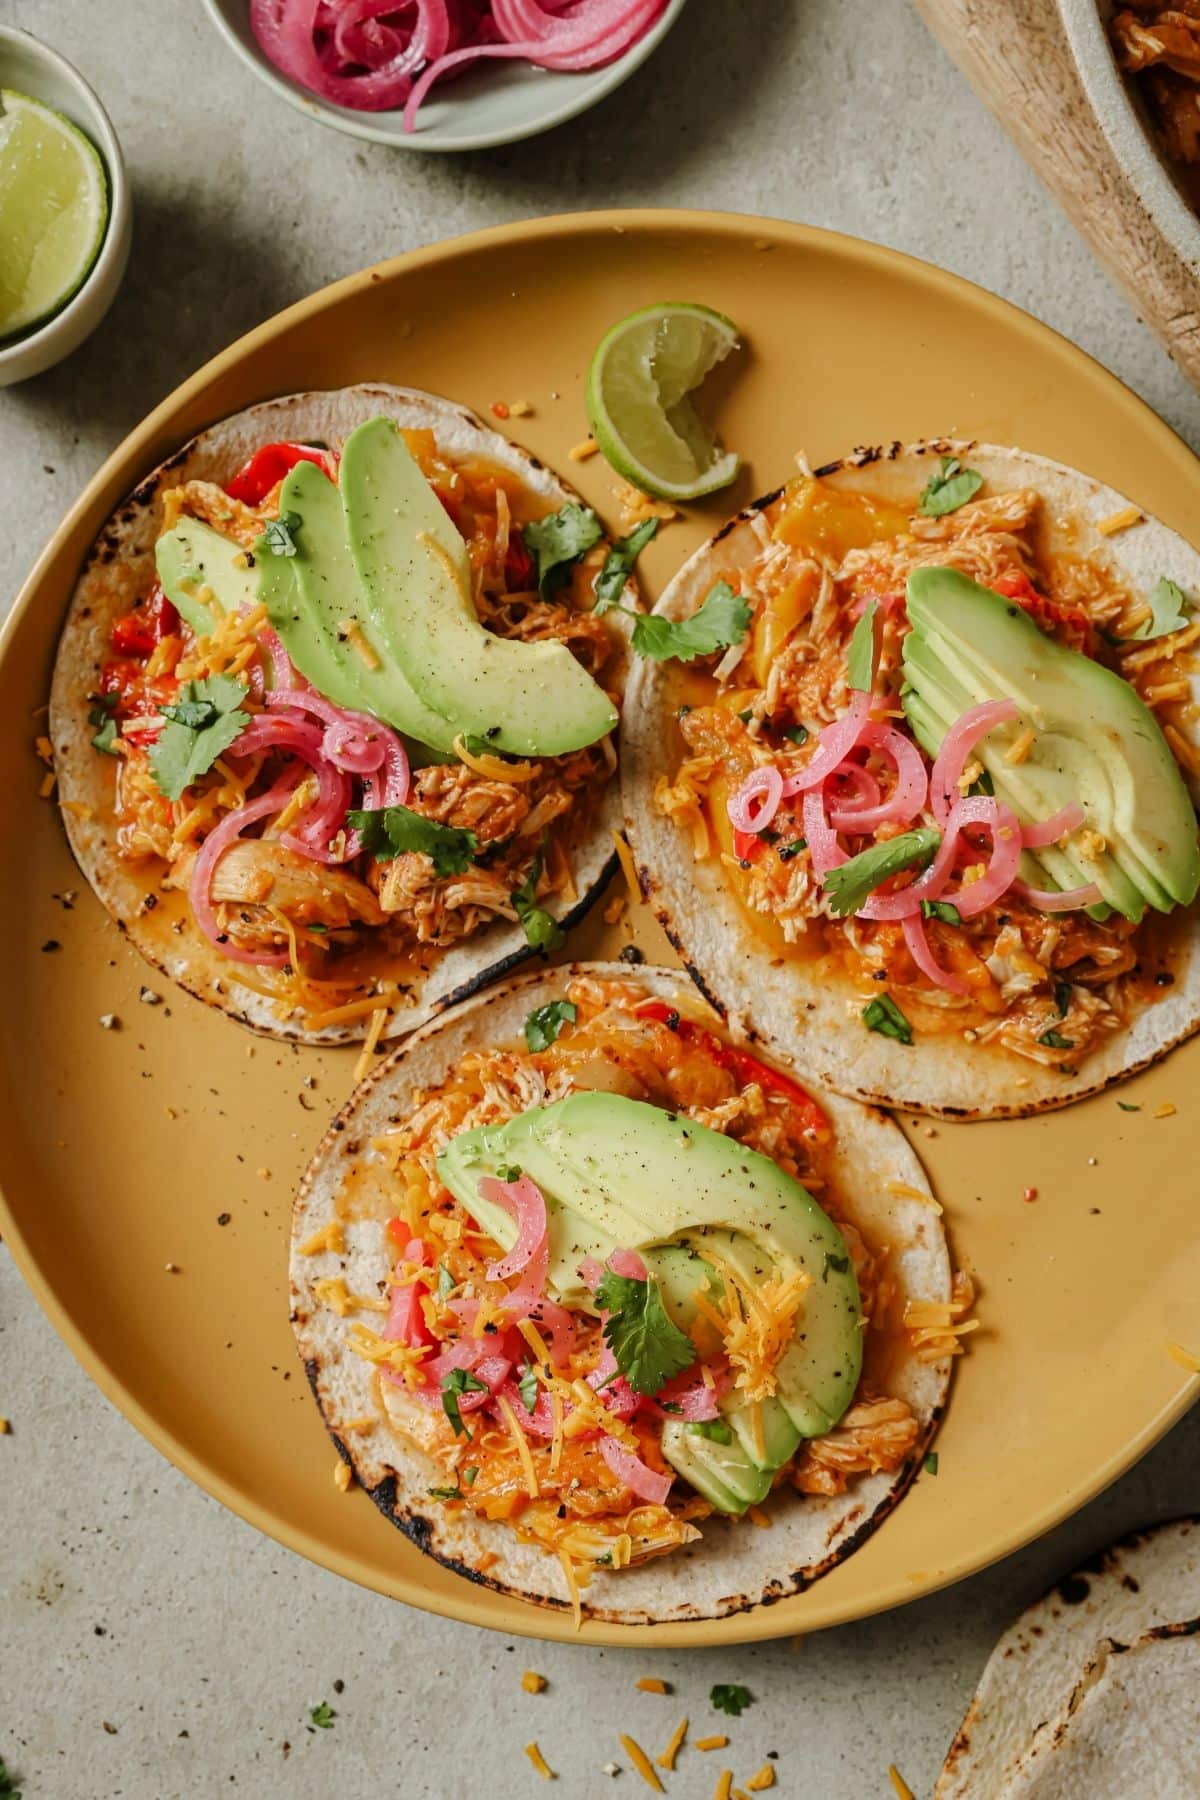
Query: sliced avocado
point(618, 1173)
point(529, 699)
point(310, 596)
point(723, 1473)
point(204, 574)
point(1096, 741)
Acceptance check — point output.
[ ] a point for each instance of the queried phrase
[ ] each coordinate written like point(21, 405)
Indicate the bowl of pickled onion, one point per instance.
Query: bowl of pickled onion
point(443, 74)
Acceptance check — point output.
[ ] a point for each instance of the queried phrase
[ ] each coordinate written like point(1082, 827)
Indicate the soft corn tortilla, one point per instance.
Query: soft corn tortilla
point(818, 1020)
point(121, 567)
point(1144, 1584)
point(733, 1566)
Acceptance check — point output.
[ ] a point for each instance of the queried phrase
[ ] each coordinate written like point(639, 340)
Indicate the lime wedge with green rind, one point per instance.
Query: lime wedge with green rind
point(53, 211)
point(639, 405)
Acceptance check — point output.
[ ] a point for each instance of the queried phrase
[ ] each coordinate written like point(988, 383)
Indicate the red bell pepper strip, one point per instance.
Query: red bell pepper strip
point(746, 845)
point(268, 466)
point(1071, 621)
point(136, 632)
point(741, 1065)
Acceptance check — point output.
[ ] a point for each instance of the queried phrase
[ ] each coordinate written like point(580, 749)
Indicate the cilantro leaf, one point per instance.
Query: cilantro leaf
point(559, 540)
point(941, 909)
point(618, 564)
point(730, 1697)
point(391, 830)
point(884, 1016)
point(1054, 1040)
point(542, 930)
point(849, 884)
point(1128, 1106)
point(720, 621)
point(100, 714)
point(183, 750)
point(455, 1383)
point(7, 1788)
point(279, 535)
point(545, 1022)
point(839, 1265)
point(949, 489)
point(1168, 608)
point(648, 1345)
point(860, 661)
point(527, 1387)
point(322, 1716)
point(716, 1429)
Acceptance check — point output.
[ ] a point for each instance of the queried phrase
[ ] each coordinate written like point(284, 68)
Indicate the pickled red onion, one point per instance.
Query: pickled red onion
point(406, 1317)
point(763, 785)
point(316, 827)
point(592, 1271)
point(835, 744)
point(1050, 900)
point(627, 1263)
point(824, 851)
point(921, 951)
point(645, 1482)
point(286, 33)
point(524, 1199)
point(215, 844)
point(973, 897)
point(539, 1422)
point(1068, 818)
point(907, 797)
point(689, 1396)
point(859, 782)
point(957, 746)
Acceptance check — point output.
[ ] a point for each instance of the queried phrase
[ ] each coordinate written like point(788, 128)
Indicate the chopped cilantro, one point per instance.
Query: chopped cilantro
point(1054, 1040)
point(512, 1173)
point(1128, 1106)
point(982, 784)
point(1168, 609)
point(943, 910)
point(648, 1345)
point(108, 731)
point(884, 1016)
point(559, 540)
point(618, 564)
point(716, 1429)
point(730, 1697)
point(839, 1265)
point(470, 1475)
point(747, 715)
point(527, 1387)
point(542, 930)
point(446, 1283)
point(391, 830)
point(201, 725)
point(849, 884)
point(545, 1022)
point(322, 1716)
point(949, 489)
point(786, 852)
point(931, 1463)
point(7, 1788)
point(1062, 997)
point(279, 535)
point(720, 621)
point(454, 1384)
point(860, 662)
point(796, 734)
point(444, 1493)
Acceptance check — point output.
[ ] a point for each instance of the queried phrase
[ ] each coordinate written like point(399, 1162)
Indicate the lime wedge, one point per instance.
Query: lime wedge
point(53, 211)
point(639, 405)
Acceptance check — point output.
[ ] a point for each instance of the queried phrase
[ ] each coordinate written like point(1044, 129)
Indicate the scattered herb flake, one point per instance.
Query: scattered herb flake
point(392, 830)
point(323, 1716)
point(786, 852)
point(931, 1463)
point(839, 1265)
point(559, 540)
point(1168, 609)
point(1062, 998)
point(444, 1493)
point(851, 882)
point(943, 910)
point(1128, 1106)
point(470, 1475)
point(730, 1697)
point(527, 1387)
point(716, 1429)
point(720, 621)
point(542, 930)
point(983, 784)
point(455, 1383)
point(545, 1022)
point(279, 535)
point(446, 1283)
point(1054, 1040)
point(796, 734)
point(884, 1016)
point(648, 1345)
point(949, 489)
point(618, 564)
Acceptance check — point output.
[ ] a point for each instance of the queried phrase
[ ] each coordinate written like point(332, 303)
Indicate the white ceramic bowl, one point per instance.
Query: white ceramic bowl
point(496, 104)
point(1128, 129)
point(32, 68)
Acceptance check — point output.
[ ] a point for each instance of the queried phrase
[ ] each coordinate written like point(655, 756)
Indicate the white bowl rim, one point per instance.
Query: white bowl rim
point(601, 83)
point(99, 126)
point(1143, 162)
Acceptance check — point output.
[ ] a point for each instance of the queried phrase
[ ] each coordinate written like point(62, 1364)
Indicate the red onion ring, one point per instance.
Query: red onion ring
point(1051, 900)
point(975, 897)
point(835, 743)
point(957, 746)
point(215, 844)
point(319, 823)
point(921, 951)
point(909, 794)
point(524, 1199)
point(645, 1482)
point(763, 784)
point(824, 851)
point(1069, 818)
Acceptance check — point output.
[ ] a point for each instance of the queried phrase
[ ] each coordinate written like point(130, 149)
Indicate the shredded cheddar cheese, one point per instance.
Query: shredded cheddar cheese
point(716, 1742)
point(403, 1359)
point(641, 1763)
point(1020, 747)
point(903, 1791)
point(582, 451)
point(724, 1787)
point(330, 1237)
point(532, 1682)
point(650, 1684)
point(494, 768)
point(628, 866)
point(904, 1190)
point(572, 1580)
point(352, 631)
point(370, 1042)
point(521, 1445)
point(343, 1475)
point(363, 1424)
point(1185, 1358)
point(539, 1762)
point(1119, 521)
point(1165, 1110)
point(762, 1780)
point(667, 1759)
point(937, 1326)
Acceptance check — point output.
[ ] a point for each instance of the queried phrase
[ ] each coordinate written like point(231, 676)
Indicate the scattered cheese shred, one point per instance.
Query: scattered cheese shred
point(1165, 1111)
point(764, 1779)
point(650, 1684)
point(582, 451)
point(1119, 521)
point(667, 1759)
point(532, 1682)
point(936, 1326)
point(521, 1445)
point(539, 1762)
point(330, 1237)
point(758, 1517)
point(1184, 1358)
point(47, 786)
point(904, 1190)
point(1020, 747)
point(572, 1579)
point(343, 1475)
point(724, 1787)
point(366, 1423)
point(716, 1742)
point(342, 1015)
point(352, 631)
point(641, 1763)
point(903, 1791)
point(5, 1427)
point(628, 866)
point(370, 1043)
point(494, 768)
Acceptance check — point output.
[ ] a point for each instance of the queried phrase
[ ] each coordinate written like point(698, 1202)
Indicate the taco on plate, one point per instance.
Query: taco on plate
point(332, 712)
point(581, 1286)
point(926, 824)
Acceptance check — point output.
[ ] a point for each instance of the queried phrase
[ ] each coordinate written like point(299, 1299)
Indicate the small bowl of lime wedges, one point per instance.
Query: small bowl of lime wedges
point(64, 208)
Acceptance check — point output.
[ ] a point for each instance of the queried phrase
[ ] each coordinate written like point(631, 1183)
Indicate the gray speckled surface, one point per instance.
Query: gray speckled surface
point(133, 1602)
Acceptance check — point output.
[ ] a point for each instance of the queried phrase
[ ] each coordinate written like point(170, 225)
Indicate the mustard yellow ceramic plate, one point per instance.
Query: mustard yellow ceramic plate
point(148, 1170)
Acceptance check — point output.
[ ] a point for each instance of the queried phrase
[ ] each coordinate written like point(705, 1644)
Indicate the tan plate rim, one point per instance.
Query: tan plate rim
point(133, 458)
